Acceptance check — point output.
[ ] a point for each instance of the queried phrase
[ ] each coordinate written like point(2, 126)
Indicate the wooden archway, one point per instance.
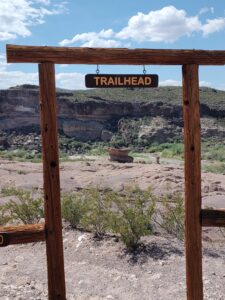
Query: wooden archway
point(195, 216)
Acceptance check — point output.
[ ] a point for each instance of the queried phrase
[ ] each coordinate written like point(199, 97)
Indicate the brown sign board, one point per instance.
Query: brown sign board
point(121, 80)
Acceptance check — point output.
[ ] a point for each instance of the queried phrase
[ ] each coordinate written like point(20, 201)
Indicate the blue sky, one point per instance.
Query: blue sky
point(118, 23)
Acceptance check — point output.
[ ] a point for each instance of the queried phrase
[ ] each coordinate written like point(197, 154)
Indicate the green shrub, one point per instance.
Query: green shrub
point(171, 215)
point(217, 167)
point(25, 208)
point(174, 150)
point(4, 218)
point(132, 215)
point(73, 208)
point(97, 214)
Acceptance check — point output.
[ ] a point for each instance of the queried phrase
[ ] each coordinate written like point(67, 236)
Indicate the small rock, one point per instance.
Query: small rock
point(19, 259)
point(110, 297)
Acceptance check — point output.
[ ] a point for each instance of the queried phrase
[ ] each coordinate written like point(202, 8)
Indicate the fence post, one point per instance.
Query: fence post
point(53, 222)
point(192, 142)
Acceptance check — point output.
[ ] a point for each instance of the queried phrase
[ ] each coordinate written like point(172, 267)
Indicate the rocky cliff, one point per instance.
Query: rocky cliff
point(89, 116)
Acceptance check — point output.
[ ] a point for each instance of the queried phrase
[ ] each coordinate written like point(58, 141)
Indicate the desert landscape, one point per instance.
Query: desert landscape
point(151, 127)
point(104, 269)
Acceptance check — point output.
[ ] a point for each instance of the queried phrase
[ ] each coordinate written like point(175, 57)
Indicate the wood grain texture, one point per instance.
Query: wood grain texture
point(21, 234)
point(121, 56)
point(193, 230)
point(213, 218)
point(54, 244)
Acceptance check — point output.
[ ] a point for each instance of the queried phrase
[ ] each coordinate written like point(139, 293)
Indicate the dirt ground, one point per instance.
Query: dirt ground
point(103, 174)
point(103, 269)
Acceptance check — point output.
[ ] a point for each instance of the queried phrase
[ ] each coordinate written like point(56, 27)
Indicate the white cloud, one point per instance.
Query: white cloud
point(205, 83)
point(3, 63)
point(93, 39)
point(63, 80)
point(13, 78)
point(170, 82)
point(165, 25)
point(204, 10)
point(16, 16)
point(213, 25)
point(70, 81)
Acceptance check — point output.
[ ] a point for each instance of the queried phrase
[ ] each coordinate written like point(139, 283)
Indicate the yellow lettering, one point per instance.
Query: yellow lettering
point(97, 80)
point(119, 81)
point(103, 80)
point(134, 81)
point(141, 81)
point(110, 81)
point(148, 80)
point(127, 81)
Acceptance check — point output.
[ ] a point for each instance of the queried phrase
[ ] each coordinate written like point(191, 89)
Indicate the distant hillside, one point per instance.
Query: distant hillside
point(133, 115)
point(170, 94)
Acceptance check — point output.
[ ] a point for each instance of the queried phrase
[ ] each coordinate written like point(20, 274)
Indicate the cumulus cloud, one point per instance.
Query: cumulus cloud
point(16, 16)
point(13, 78)
point(73, 81)
point(213, 25)
point(165, 25)
point(93, 39)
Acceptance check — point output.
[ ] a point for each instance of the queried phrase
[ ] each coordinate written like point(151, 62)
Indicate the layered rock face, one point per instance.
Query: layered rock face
point(96, 119)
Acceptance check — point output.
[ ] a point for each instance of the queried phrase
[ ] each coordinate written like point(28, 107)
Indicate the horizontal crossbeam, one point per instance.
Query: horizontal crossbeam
point(113, 56)
point(20, 234)
point(213, 218)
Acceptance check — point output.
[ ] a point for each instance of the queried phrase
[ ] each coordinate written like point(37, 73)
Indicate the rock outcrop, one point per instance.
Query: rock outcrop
point(97, 118)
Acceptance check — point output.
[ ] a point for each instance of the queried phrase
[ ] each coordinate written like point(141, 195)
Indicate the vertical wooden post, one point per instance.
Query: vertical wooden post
point(54, 245)
point(192, 141)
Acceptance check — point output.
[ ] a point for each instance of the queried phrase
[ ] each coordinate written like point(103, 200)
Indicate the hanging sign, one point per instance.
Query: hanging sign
point(119, 81)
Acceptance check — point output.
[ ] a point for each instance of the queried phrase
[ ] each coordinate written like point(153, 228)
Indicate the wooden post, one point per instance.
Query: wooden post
point(54, 245)
point(192, 141)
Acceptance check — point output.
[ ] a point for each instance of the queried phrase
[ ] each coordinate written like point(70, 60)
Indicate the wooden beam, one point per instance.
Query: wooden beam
point(193, 230)
point(53, 221)
point(10, 235)
point(107, 56)
point(213, 218)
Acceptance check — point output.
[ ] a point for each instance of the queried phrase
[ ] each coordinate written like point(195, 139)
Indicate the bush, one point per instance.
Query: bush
point(171, 215)
point(132, 215)
point(174, 150)
point(217, 167)
point(97, 214)
point(25, 209)
point(4, 218)
point(73, 208)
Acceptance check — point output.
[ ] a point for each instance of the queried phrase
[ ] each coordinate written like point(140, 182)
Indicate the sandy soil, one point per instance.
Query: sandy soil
point(104, 174)
point(103, 269)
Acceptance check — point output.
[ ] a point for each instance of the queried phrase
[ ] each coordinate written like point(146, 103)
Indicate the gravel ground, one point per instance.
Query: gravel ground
point(104, 270)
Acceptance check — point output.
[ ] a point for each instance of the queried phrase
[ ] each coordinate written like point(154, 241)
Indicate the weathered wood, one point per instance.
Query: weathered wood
point(122, 56)
point(193, 230)
point(213, 218)
point(54, 245)
point(21, 234)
